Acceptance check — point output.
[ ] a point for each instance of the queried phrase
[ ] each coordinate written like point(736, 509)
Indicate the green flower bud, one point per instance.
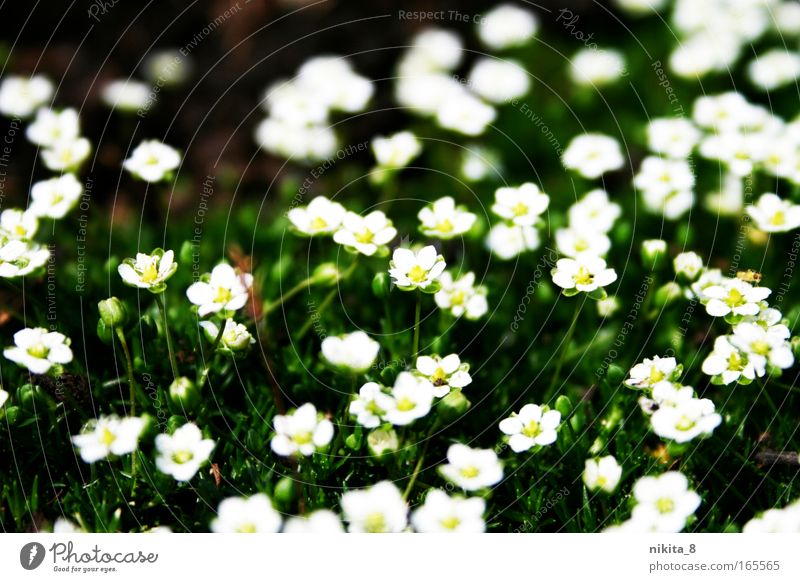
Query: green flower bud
point(615, 375)
point(326, 274)
point(104, 332)
point(667, 294)
point(564, 405)
point(284, 491)
point(654, 253)
point(453, 405)
point(382, 442)
point(380, 285)
point(796, 346)
point(12, 414)
point(184, 395)
point(113, 312)
point(175, 422)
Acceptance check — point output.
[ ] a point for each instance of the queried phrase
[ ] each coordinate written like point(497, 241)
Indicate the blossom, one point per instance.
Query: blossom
point(444, 514)
point(66, 155)
point(321, 521)
point(672, 137)
point(365, 234)
point(689, 419)
point(152, 161)
point(734, 297)
point(253, 514)
point(592, 155)
point(584, 273)
point(772, 214)
point(304, 142)
point(50, 127)
point(109, 435)
point(412, 398)
point(688, 265)
point(370, 405)
point(235, 337)
point(435, 49)
point(461, 296)
point(739, 151)
point(784, 520)
point(471, 469)
point(19, 258)
point(20, 97)
point(465, 114)
point(596, 67)
point(661, 177)
point(55, 197)
point(763, 346)
point(181, 453)
point(533, 425)
point(377, 509)
point(602, 473)
point(332, 79)
point(39, 350)
point(396, 151)
point(18, 224)
point(321, 216)
point(774, 69)
point(225, 289)
point(498, 81)
point(507, 26)
point(576, 241)
point(509, 241)
point(63, 525)
point(444, 373)
point(666, 394)
point(664, 502)
point(608, 306)
point(149, 271)
point(594, 212)
point(354, 352)
point(651, 371)
point(301, 432)
point(420, 270)
point(444, 220)
point(728, 363)
point(127, 95)
point(521, 206)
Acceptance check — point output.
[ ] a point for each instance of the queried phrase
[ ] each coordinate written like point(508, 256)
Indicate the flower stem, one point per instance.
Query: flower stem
point(129, 366)
point(418, 466)
point(210, 360)
point(162, 308)
point(417, 314)
point(562, 352)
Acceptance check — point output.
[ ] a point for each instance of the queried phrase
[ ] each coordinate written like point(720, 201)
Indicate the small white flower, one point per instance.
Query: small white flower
point(365, 234)
point(478, 162)
point(584, 273)
point(64, 526)
point(377, 509)
point(332, 79)
point(666, 394)
point(39, 350)
point(354, 352)
point(321, 521)
point(708, 278)
point(603, 473)
point(444, 220)
point(774, 69)
point(370, 405)
point(608, 306)
point(444, 373)
point(673, 137)
point(65, 155)
point(650, 372)
point(763, 346)
point(465, 114)
point(738, 151)
point(126, 95)
point(444, 514)
point(321, 216)
point(225, 289)
point(55, 197)
point(434, 49)
point(688, 265)
point(420, 270)
point(253, 514)
point(51, 127)
point(534, 425)
point(521, 206)
point(471, 469)
point(396, 151)
point(592, 155)
point(181, 453)
point(508, 242)
point(576, 241)
point(306, 142)
point(152, 161)
point(498, 81)
point(412, 399)
point(664, 503)
point(786, 520)
point(596, 67)
point(18, 224)
point(728, 363)
point(149, 271)
point(109, 435)
point(235, 337)
point(301, 432)
point(594, 212)
point(771, 214)
point(19, 258)
point(507, 26)
point(20, 97)
point(461, 296)
point(734, 297)
point(689, 419)
point(661, 177)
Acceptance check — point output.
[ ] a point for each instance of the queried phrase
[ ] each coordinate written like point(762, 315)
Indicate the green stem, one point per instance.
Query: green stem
point(327, 300)
point(562, 352)
point(302, 285)
point(129, 366)
point(417, 314)
point(173, 363)
point(210, 360)
point(418, 466)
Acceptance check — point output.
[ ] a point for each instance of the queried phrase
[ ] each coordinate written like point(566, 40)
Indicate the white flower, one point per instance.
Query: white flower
point(3, 397)
point(603, 473)
point(594, 212)
point(126, 95)
point(722, 113)
point(20, 97)
point(412, 399)
point(507, 26)
point(461, 296)
point(641, 6)
point(584, 273)
point(332, 79)
point(64, 526)
point(377, 509)
point(152, 161)
point(771, 214)
point(444, 514)
point(498, 81)
point(293, 105)
point(444, 373)
point(689, 419)
point(444, 220)
point(370, 405)
point(465, 114)
point(650, 372)
point(688, 265)
point(728, 362)
point(301, 432)
point(763, 346)
point(55, 197)
point(321, 216)
point(509, 241)
point(592, 155)
point(786, 520)
point(729, 198)
point(224, 289)
point(354, 352)
point(608, 306)
point(521, 206)
point(66, 155)
point(149, 271)
point(739, 151)
point(665, 502)
point(254, 514)
point(420, 270)
point(109, 435)
point(312, 142)
point(774, 69)
point(672, 137)
point(321, 521)
point(533, 425)
point(708, 278)
point(235, 337)
point(50, 127)
point(661, 177)
point(666, 394)
point(19, 258)
point(18, 224)
point(181, 453)
point(39, 350)
point(576, 241)
point(734, 297)
point(471, 469)
point(365, 234)
point(426, 92)
point(396, 151)
point(436, 50)
point(596, 67)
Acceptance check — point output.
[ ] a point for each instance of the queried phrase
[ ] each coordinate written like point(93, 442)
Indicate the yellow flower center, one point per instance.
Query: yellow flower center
point(470, 472)
point(302, 438)
point(417, 274)
point(20, 230)
point(446, 226)
point(405, 404)
point(38, 350)
point(181, 457)
point(224, 295)
point(582, 277)
point(318, 223)
point(457, 298)
point(375, 523)
point(107, 437)
point(532, 430)
point(656, 375)
point(685, 423)
point(450, 522)
point(520, 209)
point(246, 528)
point(760, 347)
point(735, 298)
point(665, 505)
point(778, 218)
point(150, 272)
point(365, 236)
point(735, 362)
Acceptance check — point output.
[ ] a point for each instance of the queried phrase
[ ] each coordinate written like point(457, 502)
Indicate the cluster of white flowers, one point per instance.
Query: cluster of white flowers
point(409, 399)
point(58, 134)
point(520, 209)
point(589, 221)
point(303, 432)
point(21, 97)
point(667, 186)
point(532, 426)
point(297, 125)
point(460, 296)
point(663, 504)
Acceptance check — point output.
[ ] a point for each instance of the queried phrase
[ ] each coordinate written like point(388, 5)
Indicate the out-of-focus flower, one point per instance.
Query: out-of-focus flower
point(152, 161)
point(39, 350)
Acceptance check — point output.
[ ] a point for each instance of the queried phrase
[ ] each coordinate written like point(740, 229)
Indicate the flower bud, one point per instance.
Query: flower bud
point(666, 294)
point(796, 346)
point(12, 414)
point(654, 253)
point(284, 491)
point(104, 332)
point(327, 274)
point(615, 375)
point(564, 405)
point(380, 285)
point(183, 394)
point(688, 266)
point(382, 442)
point(453, 405)
point(113, 312)
point(607, 306)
